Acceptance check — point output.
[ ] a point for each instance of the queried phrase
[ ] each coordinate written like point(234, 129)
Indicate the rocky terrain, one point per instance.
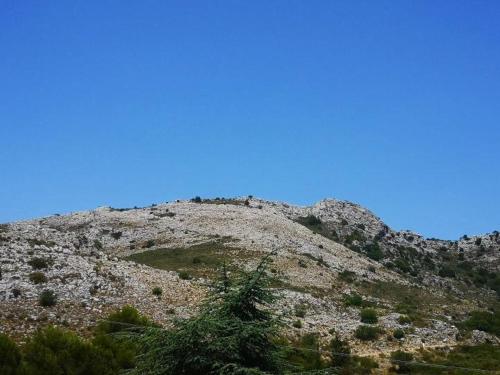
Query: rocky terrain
point(332, 259)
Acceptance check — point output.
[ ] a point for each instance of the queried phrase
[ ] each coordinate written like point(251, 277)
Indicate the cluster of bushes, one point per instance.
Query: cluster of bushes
point(38, 277)
point(483, 321)
point(39, 263)
point(373, 251)
point(316, 225)
point(353, 299)
point(367, 333)
point(454, 266)
point(47, 298)
point(369, 316)
point(56, 351)
point(218, 200)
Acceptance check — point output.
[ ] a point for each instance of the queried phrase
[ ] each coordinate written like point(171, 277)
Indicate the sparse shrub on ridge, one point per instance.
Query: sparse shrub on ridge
point(353, 299)
point(373, 251)
point(369, 316)
point(184, 275)
point(38, 263)
point(347, 276)
point(483, 321)
point(47, 298)
point(38, 277)
point(367, 333)
point(404, 319)
point(398, 333)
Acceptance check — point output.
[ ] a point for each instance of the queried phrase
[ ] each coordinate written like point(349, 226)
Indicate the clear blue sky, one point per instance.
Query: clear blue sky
point(391, 104)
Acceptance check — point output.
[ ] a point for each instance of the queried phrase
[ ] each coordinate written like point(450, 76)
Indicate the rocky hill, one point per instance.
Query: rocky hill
point(332, 259)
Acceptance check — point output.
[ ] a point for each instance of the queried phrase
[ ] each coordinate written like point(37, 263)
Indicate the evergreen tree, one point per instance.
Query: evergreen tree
point(232, 334)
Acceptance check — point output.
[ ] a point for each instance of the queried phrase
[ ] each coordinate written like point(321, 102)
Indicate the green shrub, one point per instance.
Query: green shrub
point(125, 319)
point(47, 298)
point(10, 356)
point(353, 299)
point(347, 276)
point(38, 263)
point(403, 265)
point(398, 334)
point(404, 319)
point(369, 316)
point(484, 321)
point(157, 291)
point(309, 220)
point(98, 245)
point(447, 271)
point(367, 333)
point(184, 275)
point(196, 199)
point(114, 336)
point(373, 251)
point(116, 235)
point(297, 323)
point(53, 351)
point(37, 278)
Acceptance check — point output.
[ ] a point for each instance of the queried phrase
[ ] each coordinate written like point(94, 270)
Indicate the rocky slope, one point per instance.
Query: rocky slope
point(99, 260)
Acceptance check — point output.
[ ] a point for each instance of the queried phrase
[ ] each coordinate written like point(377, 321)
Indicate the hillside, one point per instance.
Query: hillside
point(327, 256)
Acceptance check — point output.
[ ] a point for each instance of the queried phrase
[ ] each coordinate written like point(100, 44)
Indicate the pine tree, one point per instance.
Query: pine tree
point(232, 334)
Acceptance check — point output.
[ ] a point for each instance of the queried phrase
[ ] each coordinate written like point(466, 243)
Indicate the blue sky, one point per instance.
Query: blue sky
point(391, 104)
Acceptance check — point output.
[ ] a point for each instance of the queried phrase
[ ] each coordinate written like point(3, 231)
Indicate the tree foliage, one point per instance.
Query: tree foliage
point(10, 357)
point(233, 333)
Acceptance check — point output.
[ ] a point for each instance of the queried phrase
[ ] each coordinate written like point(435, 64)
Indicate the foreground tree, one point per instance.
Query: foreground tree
point(233, 334)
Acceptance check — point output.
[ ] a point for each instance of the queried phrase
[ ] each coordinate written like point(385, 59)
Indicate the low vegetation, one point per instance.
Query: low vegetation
point(38, 277)
point(367, 333)
point(462, 360)
point(39, 263)
point(201, 260)
point(483, 321)
point(353, 299)
point(369, 316)
point(47, 298)
point(157, 291)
